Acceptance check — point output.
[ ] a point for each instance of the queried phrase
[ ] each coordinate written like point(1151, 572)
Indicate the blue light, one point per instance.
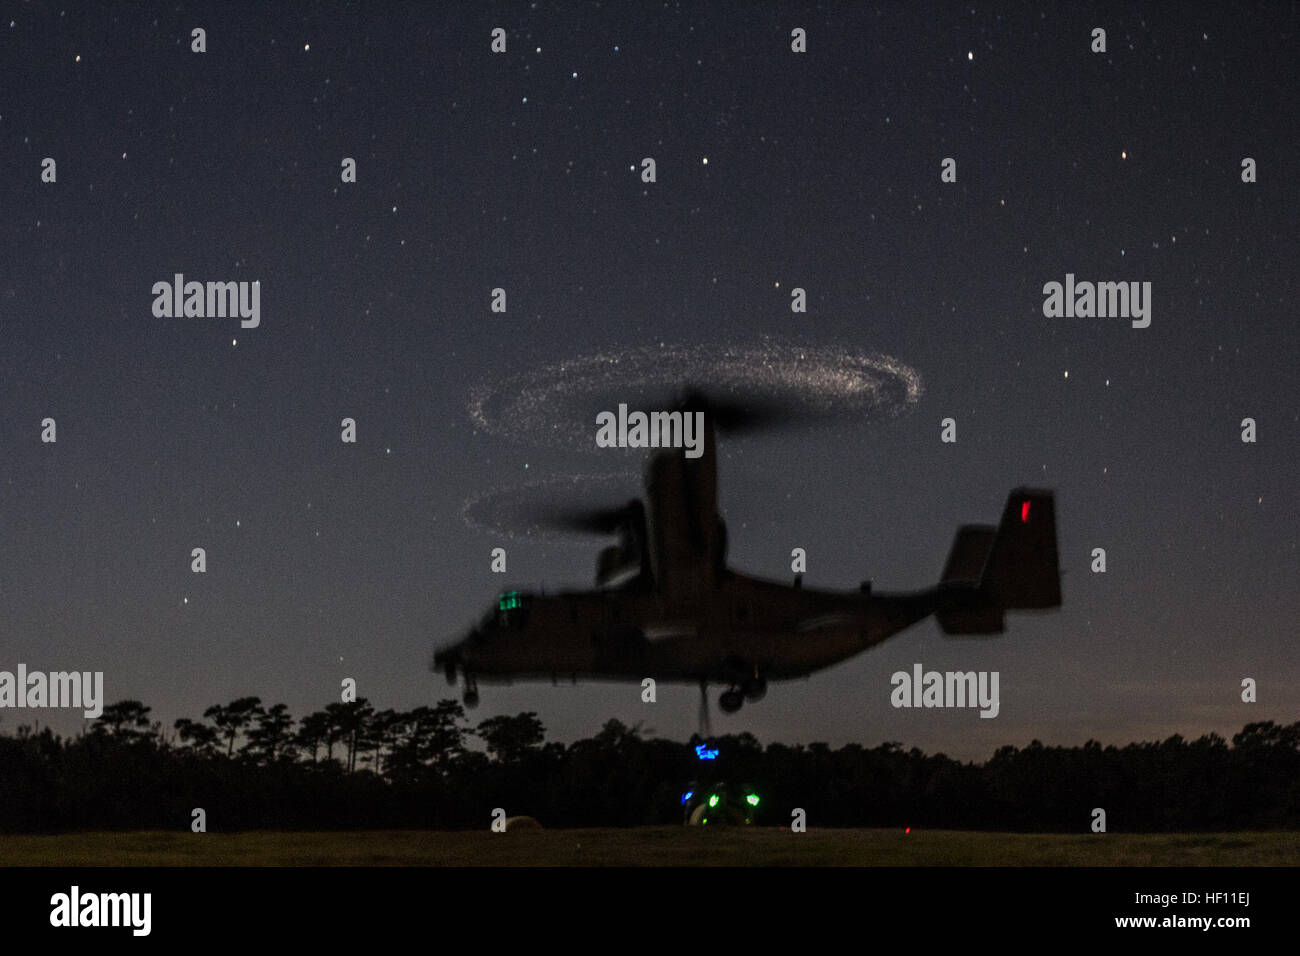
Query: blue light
point(686, 796)
point(704, 753)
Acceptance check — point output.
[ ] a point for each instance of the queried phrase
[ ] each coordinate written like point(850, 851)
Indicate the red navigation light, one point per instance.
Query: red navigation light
point(1024, 513)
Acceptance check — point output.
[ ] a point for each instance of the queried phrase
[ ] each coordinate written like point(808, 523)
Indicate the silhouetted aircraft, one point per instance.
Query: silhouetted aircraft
point(667, 606)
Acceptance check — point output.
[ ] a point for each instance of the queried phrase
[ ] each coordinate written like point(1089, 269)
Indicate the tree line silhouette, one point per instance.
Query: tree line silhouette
point(350, 766)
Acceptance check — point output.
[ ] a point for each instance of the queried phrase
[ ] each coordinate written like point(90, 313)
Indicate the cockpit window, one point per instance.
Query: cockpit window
point(512, 610)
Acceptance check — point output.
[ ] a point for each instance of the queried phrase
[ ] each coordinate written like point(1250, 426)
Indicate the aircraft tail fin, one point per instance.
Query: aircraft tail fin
point(1014, 566)
point(1023, 569)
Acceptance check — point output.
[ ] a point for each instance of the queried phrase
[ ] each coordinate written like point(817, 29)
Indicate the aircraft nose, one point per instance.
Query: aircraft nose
point(460, 656)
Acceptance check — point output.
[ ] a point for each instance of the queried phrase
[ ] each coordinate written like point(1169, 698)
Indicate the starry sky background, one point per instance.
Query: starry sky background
point(328, 560)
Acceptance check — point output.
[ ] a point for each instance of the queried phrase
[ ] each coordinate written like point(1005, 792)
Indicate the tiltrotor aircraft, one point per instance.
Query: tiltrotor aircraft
point(667, 607)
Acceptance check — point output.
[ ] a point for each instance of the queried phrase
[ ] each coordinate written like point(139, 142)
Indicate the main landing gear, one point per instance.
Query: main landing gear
point(706, 726)
point(751, 689)
point(450, 663)
point(470, 697)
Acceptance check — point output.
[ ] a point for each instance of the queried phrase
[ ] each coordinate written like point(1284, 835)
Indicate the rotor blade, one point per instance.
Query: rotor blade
point(603, 521)
point(736, 411)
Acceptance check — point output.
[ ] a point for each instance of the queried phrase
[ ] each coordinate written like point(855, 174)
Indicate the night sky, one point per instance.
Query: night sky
point(522, 171)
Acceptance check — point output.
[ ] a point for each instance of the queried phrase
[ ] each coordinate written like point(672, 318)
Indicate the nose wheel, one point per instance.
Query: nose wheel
point(731, 700)
point(749, 685)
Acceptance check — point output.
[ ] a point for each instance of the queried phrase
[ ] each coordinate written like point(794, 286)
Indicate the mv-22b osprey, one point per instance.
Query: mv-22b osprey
point(667, 606)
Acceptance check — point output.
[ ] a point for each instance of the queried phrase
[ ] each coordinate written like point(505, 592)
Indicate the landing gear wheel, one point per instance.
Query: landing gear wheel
point(754, 689)
point(449, 670)
point(731, 701)
point(471, 693)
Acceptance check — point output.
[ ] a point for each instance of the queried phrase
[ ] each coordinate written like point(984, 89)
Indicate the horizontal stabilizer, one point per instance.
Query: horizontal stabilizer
point(970, 552)
point(977, 617)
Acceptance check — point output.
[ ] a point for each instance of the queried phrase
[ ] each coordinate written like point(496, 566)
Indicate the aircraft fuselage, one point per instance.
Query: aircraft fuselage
point(742, 626)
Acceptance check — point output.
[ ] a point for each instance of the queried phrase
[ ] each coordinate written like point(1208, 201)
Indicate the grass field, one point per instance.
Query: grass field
point(651, 846)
